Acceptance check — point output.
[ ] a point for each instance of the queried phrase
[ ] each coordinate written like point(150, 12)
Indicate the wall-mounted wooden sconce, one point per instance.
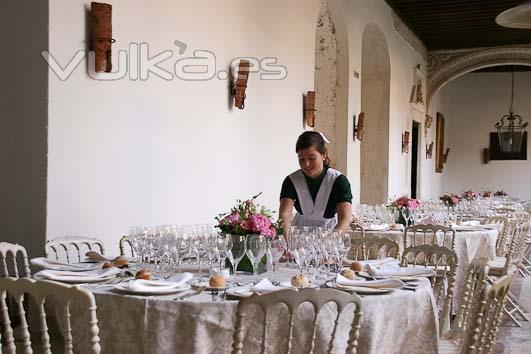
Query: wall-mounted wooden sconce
point(486, 155)
point(445, 156)
point(358, 129)
point(101, 35)
point(239, 87)
point(309, 109)
point(405, 142)
point(429, 151)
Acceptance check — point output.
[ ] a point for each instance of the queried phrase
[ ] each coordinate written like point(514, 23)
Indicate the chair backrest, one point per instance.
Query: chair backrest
point(517, 248)
point(9, 266)
point(474, 285)
point(504, 237)
point(482, 331)
point(444, 263)
point(65, 296)
point(371, 247)
point(318, 298)
point(357, 228)
point(125, 240)
point(72, 248)
point(429, 234)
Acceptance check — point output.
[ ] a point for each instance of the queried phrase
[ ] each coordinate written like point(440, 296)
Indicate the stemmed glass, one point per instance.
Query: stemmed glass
point(237, 251)
point(276, 249)
point(223, 245)
point(255, 248)
point(406, 214)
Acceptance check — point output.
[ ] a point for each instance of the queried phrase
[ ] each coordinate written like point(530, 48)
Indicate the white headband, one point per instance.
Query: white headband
point(324, 137)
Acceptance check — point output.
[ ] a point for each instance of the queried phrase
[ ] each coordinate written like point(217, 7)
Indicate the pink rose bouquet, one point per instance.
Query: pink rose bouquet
point(470, 195)
point(450, 200)
point(405, 202)
point(247, 217)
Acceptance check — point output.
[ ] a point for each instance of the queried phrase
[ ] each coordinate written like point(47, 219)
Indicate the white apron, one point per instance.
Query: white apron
point(313, 213)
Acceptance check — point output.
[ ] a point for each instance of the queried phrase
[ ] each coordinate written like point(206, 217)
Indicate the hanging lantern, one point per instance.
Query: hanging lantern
point(510, 128)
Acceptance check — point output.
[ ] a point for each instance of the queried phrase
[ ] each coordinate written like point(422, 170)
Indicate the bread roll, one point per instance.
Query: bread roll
point(217, 281)
point(120, 261)
point(107, 265)
point(300, 281)
point(348, 273)
point(356, 266)
point(143, 274)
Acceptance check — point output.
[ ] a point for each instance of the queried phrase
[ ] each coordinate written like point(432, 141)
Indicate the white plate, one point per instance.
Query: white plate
point(428, 274)
point(359, 289)
point(124, 288)
point(80, 280)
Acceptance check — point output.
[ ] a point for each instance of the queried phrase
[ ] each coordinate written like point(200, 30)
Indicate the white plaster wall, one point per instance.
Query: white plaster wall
point(472, 104)
point(154, 152)
point(23, 122)
point(403, 60)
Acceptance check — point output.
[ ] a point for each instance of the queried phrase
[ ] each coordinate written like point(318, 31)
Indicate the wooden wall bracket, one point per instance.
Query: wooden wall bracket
point(358, 129)
point(429, 151)
point(240, 86)
point(309, 109)
point(101, 36)
point(486, 155)
point(405, 142)
point(445, 156)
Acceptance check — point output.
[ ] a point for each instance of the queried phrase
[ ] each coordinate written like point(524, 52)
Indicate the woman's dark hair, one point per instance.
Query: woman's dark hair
point(315, 140)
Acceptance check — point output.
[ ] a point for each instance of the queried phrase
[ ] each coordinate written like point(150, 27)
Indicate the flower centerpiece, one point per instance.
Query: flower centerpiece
point(450, 199)
point(246, 218)
point(487, 194)
point(470, 195)
point(500, 194)
point(405, 205)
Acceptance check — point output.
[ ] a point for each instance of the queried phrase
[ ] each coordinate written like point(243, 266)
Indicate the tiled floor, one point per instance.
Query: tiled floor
point(512, 339)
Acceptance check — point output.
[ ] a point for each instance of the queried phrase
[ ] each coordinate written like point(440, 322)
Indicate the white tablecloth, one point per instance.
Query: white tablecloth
point(468, 246)
point(399, 322)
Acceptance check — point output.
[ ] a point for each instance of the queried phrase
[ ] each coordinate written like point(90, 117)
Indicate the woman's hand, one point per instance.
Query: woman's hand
point(344, 216)
point(285, 214)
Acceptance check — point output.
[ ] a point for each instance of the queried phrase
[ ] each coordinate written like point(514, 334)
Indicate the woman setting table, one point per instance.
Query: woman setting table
point(320, 194)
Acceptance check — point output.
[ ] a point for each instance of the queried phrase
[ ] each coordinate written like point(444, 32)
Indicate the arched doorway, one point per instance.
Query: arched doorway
point(331, 81)
point(375, 90)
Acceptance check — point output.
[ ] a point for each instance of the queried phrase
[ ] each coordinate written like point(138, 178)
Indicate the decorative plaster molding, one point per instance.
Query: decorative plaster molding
point(446, 65)
point(409, 36)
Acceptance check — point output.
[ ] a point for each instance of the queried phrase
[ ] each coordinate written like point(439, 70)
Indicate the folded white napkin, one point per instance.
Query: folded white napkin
point(47, 263)
point(470, 223)
point(263, 286)
point(388, 261)
point(69, 276)
point(377, 284)
point(466, 227)
point(142, 285)
point(397, 271)
point(378, 227)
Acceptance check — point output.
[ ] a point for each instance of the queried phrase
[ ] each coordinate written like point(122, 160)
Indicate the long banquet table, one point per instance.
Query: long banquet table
point(469, 245)
point(399, 322)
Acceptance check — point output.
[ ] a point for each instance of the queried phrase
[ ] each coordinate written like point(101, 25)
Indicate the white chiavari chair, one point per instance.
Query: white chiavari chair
point(292, 299)
point(72, 248)
point(371, 247)
point(509, 265)
point(443, 261)
point(125, 241)
point(503, 232)
point(429, 234)
point(482, 328)
point(25, 338)
point(10, 255)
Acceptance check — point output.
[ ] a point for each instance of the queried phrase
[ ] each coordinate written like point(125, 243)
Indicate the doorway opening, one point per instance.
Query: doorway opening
point(414, 158)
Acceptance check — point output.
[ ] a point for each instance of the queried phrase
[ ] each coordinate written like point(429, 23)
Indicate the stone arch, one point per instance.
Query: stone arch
point(331, 80)
point(375, 101)
point(444, 66)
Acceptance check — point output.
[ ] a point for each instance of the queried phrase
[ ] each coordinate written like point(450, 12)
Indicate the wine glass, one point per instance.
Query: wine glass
point(255, 248)
point(223, 245)
point(406, 214)
point(237, 251)
point(276, 249)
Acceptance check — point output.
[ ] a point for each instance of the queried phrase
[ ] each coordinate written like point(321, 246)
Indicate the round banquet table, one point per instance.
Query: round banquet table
point(469, 244)
point(398, 322)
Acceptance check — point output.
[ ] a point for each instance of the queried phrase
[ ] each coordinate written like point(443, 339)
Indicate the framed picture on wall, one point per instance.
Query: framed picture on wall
point(439, 143)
